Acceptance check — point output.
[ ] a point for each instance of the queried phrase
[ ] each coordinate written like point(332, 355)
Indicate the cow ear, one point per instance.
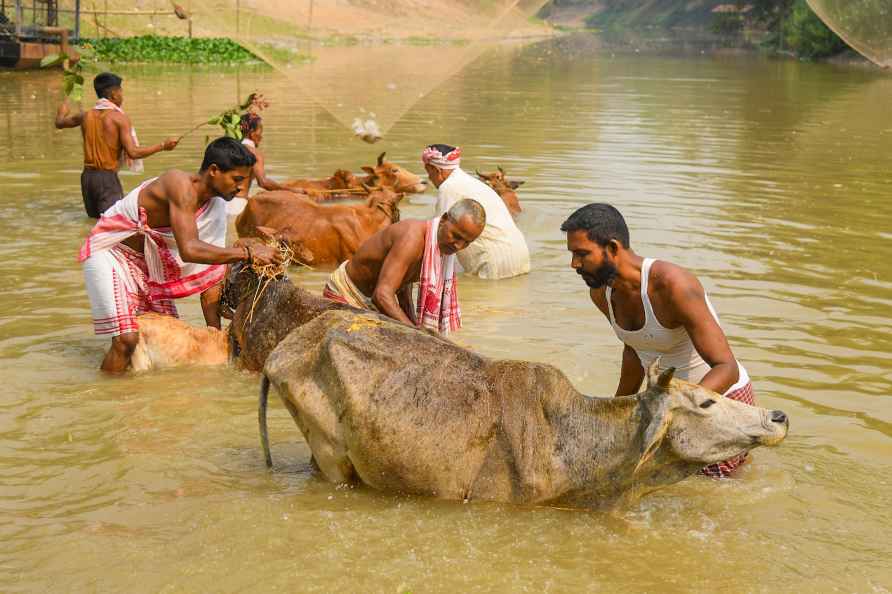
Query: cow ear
point(658, 411)
point(368, 170)
point(516, 184)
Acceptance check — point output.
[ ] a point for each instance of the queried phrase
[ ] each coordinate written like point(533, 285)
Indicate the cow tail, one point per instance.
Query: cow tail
point(261, 418)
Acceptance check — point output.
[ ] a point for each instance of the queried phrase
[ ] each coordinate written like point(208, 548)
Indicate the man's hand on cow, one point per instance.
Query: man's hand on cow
point(169, 144)
point(263, 254)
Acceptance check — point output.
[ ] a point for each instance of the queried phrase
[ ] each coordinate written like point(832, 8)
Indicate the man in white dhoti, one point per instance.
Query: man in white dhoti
point(501, 250)
point(163, 241)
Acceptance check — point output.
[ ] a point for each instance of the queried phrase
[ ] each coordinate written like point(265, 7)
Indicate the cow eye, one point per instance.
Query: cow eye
point(707, 403)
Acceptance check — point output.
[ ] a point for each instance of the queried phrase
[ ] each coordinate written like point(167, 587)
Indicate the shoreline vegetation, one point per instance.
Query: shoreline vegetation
point(164, 49)
point(780, 27)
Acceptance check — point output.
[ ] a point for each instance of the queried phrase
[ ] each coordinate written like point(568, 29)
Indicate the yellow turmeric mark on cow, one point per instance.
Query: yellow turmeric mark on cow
point(363, 323)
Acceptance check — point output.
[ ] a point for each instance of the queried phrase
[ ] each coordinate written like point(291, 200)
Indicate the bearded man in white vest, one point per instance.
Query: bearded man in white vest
point(659, 311)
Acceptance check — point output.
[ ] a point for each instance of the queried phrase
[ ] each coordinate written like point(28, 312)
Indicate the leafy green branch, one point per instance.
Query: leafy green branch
point(230, 119)
point(72, 70)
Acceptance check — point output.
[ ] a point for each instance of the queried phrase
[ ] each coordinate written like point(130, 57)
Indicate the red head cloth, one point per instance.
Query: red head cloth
point(449, 161)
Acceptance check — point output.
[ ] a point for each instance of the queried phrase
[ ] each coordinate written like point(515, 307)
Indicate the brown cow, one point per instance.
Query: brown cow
point(504, 188)
point(380, 403)
point(390, 175)
point(321, 235)
point(321, 189)
point(385, 175)
point(166, 341)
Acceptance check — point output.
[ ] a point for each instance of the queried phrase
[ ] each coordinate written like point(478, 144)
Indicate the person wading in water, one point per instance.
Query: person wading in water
point(660, 311)
point(163, 241)
point(109, 143)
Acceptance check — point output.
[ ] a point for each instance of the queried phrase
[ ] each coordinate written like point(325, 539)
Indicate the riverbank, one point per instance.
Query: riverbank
point(788, 28)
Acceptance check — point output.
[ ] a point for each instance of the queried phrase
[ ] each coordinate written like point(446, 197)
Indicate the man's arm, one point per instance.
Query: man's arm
point(631, 375)
point(262, 180)
point(210, 302)
point(185, 231)
point(404, 252)
point(404, 296)
point(66, 119)
point(139, 152)
point(688, 301)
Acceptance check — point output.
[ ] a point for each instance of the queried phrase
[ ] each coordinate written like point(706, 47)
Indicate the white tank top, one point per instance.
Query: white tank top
point(673, 347)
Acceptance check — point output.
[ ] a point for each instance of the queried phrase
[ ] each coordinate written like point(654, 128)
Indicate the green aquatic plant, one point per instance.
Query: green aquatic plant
point(177, 50)
point(73, 68)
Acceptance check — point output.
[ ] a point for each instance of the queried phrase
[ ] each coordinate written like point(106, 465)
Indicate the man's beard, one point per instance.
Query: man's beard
point(604, 275)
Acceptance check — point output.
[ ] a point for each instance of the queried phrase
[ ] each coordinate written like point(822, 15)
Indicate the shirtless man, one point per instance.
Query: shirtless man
point(381, 273)
point(252, 135)
point(659, 311)
point(133, 266)
point(109, 140)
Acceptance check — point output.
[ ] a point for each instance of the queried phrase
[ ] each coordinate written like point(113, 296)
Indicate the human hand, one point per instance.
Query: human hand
point(169, 144)
point(263, 254)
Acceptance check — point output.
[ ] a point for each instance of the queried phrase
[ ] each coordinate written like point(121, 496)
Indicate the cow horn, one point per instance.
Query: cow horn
point(665, 378)
point(502, 171)
point(381, 158)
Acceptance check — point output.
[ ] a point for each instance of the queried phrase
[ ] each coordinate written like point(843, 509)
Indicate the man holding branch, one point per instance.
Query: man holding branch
point(109, 143)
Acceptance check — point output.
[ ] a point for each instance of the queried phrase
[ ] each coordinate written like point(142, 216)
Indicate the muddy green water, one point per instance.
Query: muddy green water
point(771, 180)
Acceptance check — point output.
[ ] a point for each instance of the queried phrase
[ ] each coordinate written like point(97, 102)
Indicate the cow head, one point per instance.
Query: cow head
point(390, 175)
point(700, 426)
point(385, 200)
point(240, 279)
point(342, 180)
point(499, 182)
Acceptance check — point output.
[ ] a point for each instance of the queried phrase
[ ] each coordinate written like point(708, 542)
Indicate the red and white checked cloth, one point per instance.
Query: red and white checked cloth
point(447, 162)
point(437, 304)
point(725, 469)
point(117, 284)
point(169, 276)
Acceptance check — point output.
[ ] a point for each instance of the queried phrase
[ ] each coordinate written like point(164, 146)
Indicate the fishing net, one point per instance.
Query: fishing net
point(351, 56)
point(866, 25)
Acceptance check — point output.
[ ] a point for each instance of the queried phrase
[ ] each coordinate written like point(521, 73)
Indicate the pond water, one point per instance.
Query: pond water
point(768, 179)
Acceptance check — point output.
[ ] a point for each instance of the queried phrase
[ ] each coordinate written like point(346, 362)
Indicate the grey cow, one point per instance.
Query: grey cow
point(404, 411)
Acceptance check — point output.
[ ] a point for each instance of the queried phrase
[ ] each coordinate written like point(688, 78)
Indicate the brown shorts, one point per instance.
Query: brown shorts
point(100, 190)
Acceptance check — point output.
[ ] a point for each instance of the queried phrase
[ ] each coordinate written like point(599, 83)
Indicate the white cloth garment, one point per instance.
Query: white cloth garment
point(134, 165)
point(501, 250)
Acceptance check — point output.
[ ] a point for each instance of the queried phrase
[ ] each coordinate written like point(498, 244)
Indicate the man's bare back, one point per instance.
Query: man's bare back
point(403, 241)
point(173, 186)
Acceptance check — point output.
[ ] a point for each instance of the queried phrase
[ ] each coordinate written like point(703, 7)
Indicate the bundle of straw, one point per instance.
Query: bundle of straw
point(266, 273)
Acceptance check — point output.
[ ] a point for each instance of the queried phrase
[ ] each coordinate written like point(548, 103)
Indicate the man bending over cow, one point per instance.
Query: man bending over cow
point(381, 273)
point(163, 241)
point(660, 311)
point(501, 251)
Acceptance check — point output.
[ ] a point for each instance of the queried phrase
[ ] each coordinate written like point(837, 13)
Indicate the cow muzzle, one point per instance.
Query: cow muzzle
point(776, 425)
